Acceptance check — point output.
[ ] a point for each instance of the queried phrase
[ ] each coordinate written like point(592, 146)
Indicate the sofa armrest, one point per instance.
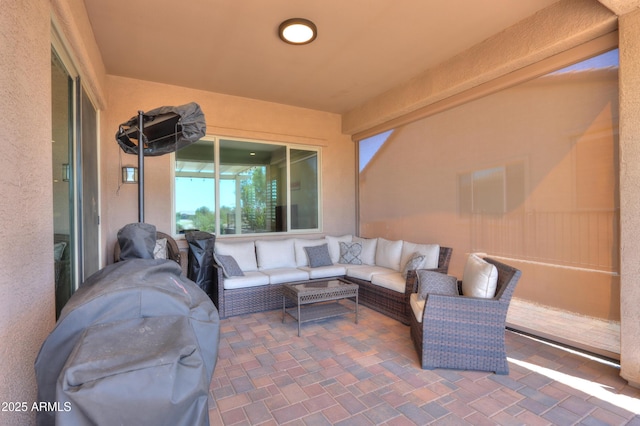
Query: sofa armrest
point(217, 292)
point(459, 313)
point(411, 283)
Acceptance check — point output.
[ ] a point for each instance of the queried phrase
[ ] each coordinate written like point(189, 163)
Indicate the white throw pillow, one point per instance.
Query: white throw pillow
point(479, 278)
point(369, 245)
point(388, 253)
point(244, 253)
point(160, 250)
point(273, 254)
point(431, 254)
point(301, 255)
point(334, 245)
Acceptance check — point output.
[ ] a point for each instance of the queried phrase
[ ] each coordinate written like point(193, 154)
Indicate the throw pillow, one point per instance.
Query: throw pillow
point(480, 278)
point(160, 250)
point(415, 262)
point(334, 245)
point(431, 282)
point(229, 265)
point(58, 250)
point(318, 255)
point(350, 253)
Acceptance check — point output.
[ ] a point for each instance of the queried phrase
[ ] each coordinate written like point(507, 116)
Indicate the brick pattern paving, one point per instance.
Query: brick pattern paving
point(341, 373)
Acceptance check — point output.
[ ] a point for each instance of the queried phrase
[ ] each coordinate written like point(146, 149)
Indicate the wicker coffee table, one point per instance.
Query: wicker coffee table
point(320, 300)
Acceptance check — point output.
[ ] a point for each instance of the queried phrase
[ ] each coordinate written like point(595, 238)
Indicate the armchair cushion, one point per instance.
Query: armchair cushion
point(480, 278)
point(430, 282)
point(417, 307)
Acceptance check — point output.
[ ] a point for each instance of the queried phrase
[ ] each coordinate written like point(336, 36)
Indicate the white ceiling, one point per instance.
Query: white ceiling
point(364, 47)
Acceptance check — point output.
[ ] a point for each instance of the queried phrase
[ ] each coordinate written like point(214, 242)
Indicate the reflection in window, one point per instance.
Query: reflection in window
point(195, 187)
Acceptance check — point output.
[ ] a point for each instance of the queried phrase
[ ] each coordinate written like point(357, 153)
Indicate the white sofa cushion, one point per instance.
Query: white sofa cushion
point(325, 271)
point(479, 278)
point(369, 245)
point(417, 306)
point(393, 281)
point(334, 245)
point(272, 254)
point(301, 255)
point(431, 254)
point(388, 254)
point(285, 275)
point(249, 279)
point(366, 272)
point(244, 253)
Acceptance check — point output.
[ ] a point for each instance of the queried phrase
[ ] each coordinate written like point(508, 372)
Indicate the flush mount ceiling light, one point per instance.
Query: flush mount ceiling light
point(297, 31)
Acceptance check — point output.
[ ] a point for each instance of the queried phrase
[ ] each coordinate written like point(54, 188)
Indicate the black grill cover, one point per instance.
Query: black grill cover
point(136, 344)
point(166, 129)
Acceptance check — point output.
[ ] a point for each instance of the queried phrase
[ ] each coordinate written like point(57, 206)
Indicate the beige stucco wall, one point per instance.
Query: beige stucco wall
point(560, 224)
point(225, 116)
point(630, 195)
point(26, 269)
point(26, 265)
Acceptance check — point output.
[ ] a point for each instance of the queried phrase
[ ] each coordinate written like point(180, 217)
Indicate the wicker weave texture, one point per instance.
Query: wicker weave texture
point(242, 301)
point(466, 333)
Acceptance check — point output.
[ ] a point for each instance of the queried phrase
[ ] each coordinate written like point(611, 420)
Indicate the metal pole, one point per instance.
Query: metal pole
point(140, 166)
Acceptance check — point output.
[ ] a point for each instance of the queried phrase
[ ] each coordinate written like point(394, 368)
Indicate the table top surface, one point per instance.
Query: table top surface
point(320, 286)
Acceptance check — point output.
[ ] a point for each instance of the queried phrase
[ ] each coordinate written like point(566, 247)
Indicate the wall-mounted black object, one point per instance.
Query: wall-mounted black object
point(164, 130)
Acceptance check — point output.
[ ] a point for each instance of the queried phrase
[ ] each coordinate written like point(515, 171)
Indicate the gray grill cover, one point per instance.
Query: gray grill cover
point(166, 129)
point(136, 344)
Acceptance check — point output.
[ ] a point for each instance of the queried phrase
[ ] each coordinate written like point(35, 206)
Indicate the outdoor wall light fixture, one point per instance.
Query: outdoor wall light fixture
point(297, 31)
point(129, 174)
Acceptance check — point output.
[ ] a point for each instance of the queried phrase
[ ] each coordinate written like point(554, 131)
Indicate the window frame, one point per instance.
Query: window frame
point(216, 140)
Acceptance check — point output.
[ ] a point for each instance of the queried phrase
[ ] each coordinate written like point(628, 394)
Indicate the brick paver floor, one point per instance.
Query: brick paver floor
point(342, 373)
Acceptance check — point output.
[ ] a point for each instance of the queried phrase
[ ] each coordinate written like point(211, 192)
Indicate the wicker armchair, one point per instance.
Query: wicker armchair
point(465, 333)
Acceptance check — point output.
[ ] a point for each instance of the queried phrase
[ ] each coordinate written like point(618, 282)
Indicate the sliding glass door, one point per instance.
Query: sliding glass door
point(75, 187)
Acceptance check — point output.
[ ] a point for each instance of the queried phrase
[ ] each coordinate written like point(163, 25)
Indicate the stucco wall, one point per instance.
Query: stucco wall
point(630, 195)
point(27, 311)
point(225, 116)
point(560, 216)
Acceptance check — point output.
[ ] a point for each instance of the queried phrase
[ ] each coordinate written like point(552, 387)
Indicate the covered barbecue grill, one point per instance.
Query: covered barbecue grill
point(136, 344)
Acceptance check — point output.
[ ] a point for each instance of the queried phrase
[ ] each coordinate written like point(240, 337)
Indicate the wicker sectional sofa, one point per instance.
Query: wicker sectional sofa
point(261, 267)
